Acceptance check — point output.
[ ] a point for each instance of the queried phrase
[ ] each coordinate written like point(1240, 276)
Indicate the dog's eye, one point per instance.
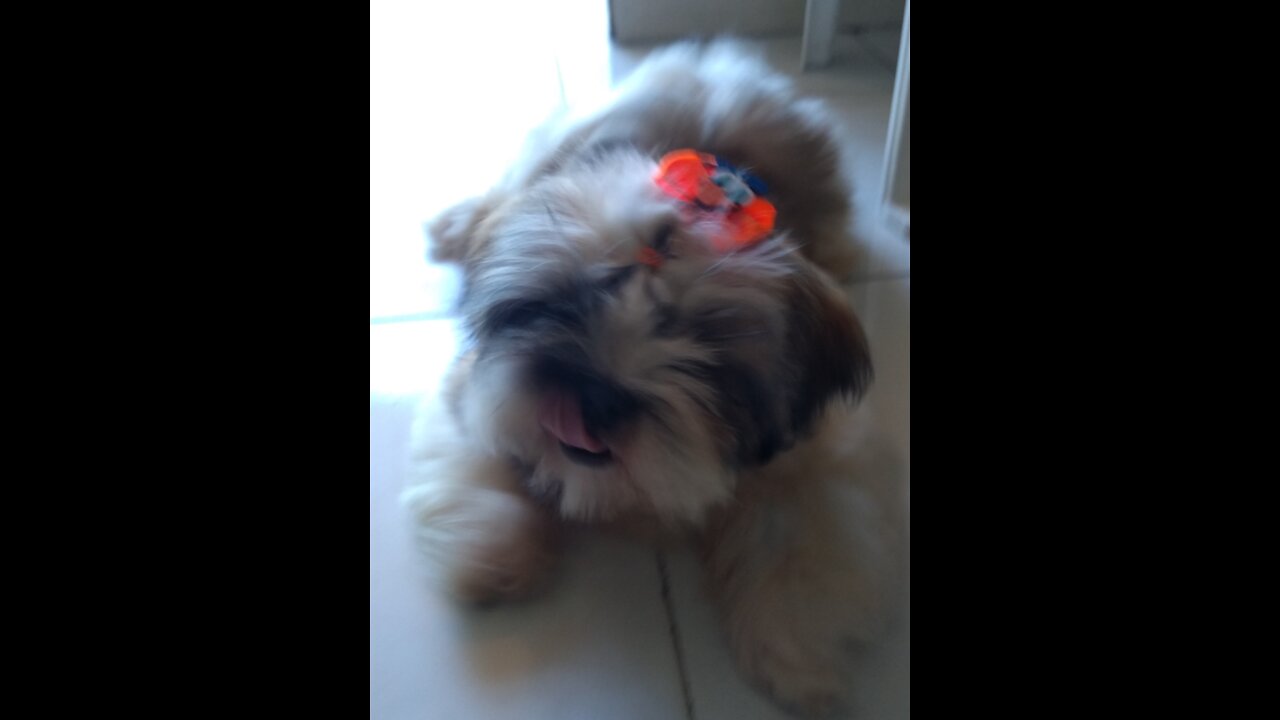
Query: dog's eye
point(517, 314)
point(662, 237)
point(568, 309)
point(616, 278)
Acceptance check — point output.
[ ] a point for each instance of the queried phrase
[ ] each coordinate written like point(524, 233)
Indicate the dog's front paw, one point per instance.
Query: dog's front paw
point(807, 681)
point(487, 545)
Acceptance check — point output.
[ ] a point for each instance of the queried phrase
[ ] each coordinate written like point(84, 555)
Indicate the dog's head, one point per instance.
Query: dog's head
point(632, 387)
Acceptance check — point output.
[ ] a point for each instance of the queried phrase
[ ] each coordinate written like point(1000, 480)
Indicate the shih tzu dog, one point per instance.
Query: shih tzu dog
point(657, 343)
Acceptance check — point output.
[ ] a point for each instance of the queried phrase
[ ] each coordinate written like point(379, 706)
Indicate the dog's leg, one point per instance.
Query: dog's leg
point(486, 539)
point(798, 568)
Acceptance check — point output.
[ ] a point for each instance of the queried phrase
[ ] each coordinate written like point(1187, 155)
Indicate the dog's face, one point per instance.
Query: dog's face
point(625, 387)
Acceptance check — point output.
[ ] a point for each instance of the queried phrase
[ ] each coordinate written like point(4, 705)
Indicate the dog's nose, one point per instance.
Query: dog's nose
point(605, 405)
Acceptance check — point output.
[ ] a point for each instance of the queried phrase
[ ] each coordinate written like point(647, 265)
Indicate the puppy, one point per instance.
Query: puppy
point(628, 366)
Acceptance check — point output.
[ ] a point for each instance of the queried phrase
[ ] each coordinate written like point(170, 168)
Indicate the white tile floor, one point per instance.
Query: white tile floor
point(599, 645)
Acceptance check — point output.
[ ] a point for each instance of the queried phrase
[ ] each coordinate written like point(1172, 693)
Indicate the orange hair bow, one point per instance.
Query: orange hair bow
point(714, 190)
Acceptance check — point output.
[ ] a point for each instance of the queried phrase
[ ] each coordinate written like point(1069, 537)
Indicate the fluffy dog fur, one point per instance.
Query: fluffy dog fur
point(724, 386)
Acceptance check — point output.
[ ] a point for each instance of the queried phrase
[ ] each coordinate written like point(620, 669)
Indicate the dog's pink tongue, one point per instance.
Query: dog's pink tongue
point(561, 415)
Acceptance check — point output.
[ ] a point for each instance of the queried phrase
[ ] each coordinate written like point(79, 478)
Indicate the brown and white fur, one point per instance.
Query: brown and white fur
point(724, 386)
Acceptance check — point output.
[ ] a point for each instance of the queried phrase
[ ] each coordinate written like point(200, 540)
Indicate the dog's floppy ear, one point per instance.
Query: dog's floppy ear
point(827, 346)
point(454, 235)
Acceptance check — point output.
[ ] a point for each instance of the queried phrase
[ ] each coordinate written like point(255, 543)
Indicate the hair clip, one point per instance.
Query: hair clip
point(714, 191)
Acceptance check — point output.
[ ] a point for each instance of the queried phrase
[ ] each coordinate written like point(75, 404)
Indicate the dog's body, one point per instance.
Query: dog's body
point(709, 394)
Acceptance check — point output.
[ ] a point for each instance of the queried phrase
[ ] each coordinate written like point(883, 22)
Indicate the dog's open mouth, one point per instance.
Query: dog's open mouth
point(586, 457)
point(560, 414)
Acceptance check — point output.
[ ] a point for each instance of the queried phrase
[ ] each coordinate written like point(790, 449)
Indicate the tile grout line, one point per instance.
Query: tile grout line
point(674, 630)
